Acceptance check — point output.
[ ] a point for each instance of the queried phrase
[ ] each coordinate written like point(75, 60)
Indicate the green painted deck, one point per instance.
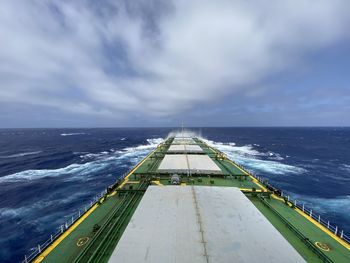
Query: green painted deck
point(296, 222)
point(85, 229)
point(94, 239)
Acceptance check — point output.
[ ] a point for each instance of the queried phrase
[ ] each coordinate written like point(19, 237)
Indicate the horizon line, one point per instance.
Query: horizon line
point(173, 127)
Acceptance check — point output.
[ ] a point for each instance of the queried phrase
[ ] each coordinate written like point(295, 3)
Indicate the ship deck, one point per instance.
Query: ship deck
point(197, 224)
point(96, 234)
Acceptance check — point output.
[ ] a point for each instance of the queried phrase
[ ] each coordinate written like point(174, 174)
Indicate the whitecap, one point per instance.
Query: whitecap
point(72, 134)
point(276, 158)
point(83, 171)
point(345, 167)
point(231, 147)
point(19, 155)
point(183, 133)
point(20, 212)
point(80, 153)
point(340, 204)
point(271, 167)
point(249, 157)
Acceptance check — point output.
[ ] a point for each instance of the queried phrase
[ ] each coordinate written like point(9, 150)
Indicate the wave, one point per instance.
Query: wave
point(20, 212)
point(245, 155)
point(151, 143)
point(80, 153)
point(90, 156)
point(72, 134)
point(19, 155)
point(251, 158)
point(184, 133)
point(345, 167)
point(339, 204)
point(84, 171)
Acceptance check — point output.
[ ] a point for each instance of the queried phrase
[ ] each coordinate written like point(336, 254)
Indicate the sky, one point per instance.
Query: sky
point(157, 63)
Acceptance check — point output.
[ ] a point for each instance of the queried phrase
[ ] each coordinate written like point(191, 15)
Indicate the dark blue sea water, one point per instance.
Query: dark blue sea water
point(48, 174)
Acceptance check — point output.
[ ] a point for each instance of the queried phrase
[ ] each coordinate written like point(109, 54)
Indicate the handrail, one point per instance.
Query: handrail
point(301, 236)
point(64, 227)
point(306, 211)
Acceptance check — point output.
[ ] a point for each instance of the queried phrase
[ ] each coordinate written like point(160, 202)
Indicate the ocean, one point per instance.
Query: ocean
point(46, 175)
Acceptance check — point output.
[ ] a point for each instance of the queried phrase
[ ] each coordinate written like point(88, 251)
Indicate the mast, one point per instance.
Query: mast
point(182, 129)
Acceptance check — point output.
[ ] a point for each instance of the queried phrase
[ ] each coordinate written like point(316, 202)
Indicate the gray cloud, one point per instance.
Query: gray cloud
point(154, 58)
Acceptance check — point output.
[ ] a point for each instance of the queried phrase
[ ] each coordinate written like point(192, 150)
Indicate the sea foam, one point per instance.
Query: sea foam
point(251, 158)
point(19, 154)
point(83, 171)
point(73, 134)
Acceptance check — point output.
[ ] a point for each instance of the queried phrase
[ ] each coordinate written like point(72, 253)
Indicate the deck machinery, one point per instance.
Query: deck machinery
point(187, 202)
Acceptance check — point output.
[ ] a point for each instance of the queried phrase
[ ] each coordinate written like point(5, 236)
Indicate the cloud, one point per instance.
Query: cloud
point(155, 58)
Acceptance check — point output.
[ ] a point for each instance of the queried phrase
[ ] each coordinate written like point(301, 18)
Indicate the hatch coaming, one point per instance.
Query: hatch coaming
point(197, 224)
point(231, 175)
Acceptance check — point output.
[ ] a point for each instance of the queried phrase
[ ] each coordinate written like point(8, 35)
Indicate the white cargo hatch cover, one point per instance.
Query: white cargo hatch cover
point(195, 224)
point(188, 163)
point(181, 148)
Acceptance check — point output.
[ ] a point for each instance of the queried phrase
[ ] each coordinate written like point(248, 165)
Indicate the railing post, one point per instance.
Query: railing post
point(341, 234)
point(25, 259)
point(51, 237)
point(336, 230)
point(72, 220)
point(328, 224)
point(61, 228)
point(288, 198)
point(39, 248)
point(295, 202)
point(79, 213)
point(66, 225)
point(303, 207)
point(311, 213)
point(319, 218)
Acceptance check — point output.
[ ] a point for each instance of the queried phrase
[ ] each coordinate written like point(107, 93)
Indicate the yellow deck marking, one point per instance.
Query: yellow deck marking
point(82, 241)
point(183, 184)
point(250, 190)
point(324, 229)
point(64, 235)
point(279, 198)
point(126, 178)
point(82, 218)
point(51, 247)
point(250, 176)
point(316, 223)
point(157, 183)
point(113, 193)
point(254, 180)
point(323, 246)
point(133, 182)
